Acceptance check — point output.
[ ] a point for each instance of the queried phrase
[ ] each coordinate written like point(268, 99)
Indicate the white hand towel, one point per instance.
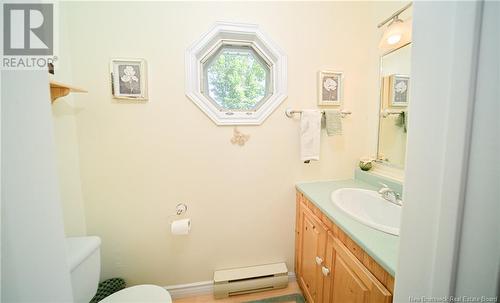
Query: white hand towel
point(310, 134)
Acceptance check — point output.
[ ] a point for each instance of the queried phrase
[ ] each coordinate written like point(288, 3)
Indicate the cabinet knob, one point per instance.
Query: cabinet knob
point(325, 271)
point(319, 261)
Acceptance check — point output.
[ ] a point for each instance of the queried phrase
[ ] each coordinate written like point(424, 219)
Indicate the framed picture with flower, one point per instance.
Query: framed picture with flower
point(129, 79)
point(330, 88)
point(399, 90)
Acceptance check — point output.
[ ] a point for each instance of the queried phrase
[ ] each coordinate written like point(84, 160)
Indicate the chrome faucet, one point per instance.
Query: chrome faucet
point(390, 195)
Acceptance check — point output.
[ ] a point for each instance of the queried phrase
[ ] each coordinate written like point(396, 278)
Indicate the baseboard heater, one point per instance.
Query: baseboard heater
point(244, 280)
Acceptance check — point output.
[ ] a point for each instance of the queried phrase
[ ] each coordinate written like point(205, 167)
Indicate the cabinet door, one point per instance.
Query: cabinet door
point(347, 286)
point(351, 281)
point(327, 269)
point(312, 248)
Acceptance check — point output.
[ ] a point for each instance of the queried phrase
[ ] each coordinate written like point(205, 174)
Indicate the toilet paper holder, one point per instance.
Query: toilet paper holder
point(181, 208)
point(180, 226)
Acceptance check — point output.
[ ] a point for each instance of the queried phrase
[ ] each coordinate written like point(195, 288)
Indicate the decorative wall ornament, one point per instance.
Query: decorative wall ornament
point(330, 88)
point(239, 138)
point(129, 79)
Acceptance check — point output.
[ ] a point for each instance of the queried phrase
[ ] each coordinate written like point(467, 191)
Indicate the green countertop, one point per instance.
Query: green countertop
point(382, 247)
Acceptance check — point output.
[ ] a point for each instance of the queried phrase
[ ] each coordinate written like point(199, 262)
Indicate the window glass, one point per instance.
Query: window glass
point(236, 78)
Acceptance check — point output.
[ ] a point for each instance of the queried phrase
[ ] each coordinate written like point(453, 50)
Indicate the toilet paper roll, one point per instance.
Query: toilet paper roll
point(180, 227)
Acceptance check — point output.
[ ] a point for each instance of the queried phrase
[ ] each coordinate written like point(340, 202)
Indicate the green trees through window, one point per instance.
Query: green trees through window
point(237, 79)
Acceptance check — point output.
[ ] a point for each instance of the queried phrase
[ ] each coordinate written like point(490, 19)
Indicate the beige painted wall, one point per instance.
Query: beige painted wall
point(68, 168)
point(64, 112)
point(138, 160)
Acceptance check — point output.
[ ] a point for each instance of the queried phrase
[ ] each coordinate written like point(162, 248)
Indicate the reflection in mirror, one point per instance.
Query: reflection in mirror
point(394, 99)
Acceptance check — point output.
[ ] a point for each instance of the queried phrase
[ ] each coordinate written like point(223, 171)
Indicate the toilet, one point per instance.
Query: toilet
point(139, 293)
point(85, 264)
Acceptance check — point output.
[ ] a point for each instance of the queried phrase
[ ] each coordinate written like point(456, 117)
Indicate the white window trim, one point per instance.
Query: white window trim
point(248, 34)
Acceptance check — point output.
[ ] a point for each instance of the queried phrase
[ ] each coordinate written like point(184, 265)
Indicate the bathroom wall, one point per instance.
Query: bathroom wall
point(138, 160)
point(68, 163)
point(483, 173)
point(450, 191)
point(64, 113)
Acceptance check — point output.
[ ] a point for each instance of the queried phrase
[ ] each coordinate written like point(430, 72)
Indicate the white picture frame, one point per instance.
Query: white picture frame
point(399, 90)
point(129, 79)
point(330, 87)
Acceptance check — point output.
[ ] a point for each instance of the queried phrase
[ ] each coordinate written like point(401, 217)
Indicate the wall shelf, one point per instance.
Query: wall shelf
point(58, 89)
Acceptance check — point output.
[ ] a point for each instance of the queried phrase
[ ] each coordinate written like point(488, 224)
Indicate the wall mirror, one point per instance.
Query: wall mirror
point(395, 85)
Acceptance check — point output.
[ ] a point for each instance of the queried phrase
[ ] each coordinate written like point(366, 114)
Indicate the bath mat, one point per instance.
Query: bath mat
point(293, 298)
point(107, 288)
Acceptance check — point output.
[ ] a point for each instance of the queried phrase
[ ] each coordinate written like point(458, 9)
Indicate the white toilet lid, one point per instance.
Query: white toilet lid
point(139, 294)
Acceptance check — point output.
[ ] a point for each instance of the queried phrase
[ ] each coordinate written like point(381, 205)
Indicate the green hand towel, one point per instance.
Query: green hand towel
point(333, 122)
point(402, 120)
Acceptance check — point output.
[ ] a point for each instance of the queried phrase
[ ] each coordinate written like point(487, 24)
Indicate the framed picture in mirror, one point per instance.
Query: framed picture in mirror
point(330, 88)
point(399, 86)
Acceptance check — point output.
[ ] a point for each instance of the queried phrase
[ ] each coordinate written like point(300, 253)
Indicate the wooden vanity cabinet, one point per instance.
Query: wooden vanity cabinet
point(313, 241)
point(330, 267)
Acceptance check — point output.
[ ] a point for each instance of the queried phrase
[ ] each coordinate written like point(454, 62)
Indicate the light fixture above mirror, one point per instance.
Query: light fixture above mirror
point(397, 33)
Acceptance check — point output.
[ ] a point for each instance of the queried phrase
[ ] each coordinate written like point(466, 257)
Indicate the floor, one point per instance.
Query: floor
point(292, 288)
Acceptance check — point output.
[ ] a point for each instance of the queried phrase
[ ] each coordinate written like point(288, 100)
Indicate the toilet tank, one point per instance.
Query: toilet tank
point(85, 265)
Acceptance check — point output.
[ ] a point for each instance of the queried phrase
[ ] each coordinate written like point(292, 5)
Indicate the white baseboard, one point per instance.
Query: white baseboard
point(201, 288)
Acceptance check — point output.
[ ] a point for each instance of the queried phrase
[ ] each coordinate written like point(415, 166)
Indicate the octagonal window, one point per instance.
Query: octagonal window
point(235, 74)
point(236, 78)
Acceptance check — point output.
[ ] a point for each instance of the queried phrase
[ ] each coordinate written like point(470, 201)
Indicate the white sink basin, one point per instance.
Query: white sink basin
point(369, 208)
